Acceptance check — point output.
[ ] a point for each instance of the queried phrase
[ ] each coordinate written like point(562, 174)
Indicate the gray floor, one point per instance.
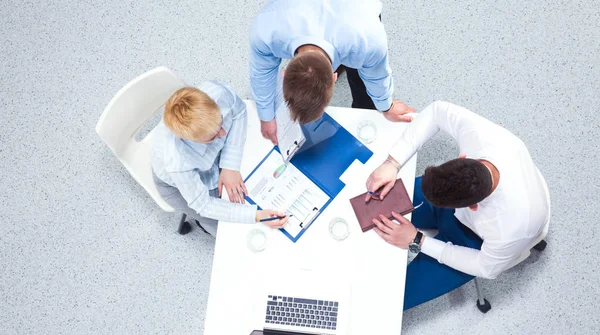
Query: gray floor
point(83, 249)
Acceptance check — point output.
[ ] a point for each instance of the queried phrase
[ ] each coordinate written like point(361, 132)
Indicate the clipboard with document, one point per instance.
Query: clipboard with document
point(322, 155)
point(289, 133)
point(275, 184)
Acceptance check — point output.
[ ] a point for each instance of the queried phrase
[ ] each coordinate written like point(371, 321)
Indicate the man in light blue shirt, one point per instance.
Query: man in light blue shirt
point(197, 150)
point(319, 36)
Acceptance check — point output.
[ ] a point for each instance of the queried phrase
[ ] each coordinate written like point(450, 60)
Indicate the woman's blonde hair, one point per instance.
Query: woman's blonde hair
point(191, 114)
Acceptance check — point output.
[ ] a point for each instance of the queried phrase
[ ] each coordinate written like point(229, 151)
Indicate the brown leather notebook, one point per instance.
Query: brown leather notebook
point(396, 201)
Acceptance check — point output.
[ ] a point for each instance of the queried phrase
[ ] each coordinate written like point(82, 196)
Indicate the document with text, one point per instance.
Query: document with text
point(277, 185)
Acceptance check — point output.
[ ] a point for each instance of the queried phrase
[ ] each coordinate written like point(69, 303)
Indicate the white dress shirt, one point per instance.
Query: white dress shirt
point(511, 217)
point(193, 168)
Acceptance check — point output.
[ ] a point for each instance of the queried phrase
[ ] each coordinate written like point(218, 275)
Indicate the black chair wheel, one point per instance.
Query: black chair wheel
point(485, 307)
point(540, 246)
point(184, 228)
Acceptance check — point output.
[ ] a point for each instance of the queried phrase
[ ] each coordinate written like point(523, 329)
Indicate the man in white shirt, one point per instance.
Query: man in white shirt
point(489, 204)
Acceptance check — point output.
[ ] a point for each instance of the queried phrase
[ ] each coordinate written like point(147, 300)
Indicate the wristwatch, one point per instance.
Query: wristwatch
point(415, 245)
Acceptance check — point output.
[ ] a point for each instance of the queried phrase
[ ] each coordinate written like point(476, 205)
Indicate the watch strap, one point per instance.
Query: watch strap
point(418, 238)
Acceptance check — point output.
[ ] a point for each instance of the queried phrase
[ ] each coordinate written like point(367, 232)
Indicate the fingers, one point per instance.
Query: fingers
point(265, 134)
point(244, 188)
point(387, 222)
point(405, 118)
point(368, 185)
point(383, 228)
point(273, 137)
point(278, 223)
point(400, 218)
point(462, 156)
point(376, 185)
point(242, 197)
point(239, 195)
point(388, 187)
point(220, 188)
point(233, 197)
point(384, 236)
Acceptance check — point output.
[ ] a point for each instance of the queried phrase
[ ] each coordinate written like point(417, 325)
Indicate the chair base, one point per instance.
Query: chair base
point(184, 226)
point(540, 246)
point(485, 307)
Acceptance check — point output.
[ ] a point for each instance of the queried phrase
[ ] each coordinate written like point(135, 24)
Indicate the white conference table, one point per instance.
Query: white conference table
point(375, 270)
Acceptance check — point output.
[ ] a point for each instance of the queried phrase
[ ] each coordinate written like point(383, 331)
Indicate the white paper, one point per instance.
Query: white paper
point(291, 192)
point(289, 133)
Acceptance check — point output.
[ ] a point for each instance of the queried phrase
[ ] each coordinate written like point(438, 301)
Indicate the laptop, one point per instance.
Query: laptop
point(305, 302)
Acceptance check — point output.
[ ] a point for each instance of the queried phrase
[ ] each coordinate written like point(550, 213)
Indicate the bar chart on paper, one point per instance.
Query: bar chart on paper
point(276, 185)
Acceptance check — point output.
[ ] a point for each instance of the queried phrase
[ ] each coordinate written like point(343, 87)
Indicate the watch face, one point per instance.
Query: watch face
point(414, 248)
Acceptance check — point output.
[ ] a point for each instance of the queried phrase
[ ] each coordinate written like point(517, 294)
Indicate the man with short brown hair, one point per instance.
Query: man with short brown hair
point(318, 37)
point(308, 85)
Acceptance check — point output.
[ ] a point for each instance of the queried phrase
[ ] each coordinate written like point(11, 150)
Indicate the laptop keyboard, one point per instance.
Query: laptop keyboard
point(299, 312)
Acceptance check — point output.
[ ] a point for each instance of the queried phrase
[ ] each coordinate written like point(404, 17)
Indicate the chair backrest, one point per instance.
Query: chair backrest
point(127, 113)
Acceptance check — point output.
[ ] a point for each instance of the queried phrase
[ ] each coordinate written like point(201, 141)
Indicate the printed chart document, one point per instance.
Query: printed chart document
point(277, 185)
point(289, 133)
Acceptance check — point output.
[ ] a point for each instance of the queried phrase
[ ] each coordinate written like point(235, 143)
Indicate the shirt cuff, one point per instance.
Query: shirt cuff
point(383, 105)
point(248, 213)
point(433, 248)
point(266, 114)
point(231, 157)
point(401, 152)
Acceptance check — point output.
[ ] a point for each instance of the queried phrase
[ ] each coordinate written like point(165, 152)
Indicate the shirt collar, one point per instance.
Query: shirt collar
point(195, 147)
point(326, 46)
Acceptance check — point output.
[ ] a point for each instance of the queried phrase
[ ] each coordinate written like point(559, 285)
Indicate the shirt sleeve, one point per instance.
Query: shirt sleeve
point(489, 262)
point(197, 197)
point(264, 67)
point(377, 74)
point(460, 123)
point(231, 155)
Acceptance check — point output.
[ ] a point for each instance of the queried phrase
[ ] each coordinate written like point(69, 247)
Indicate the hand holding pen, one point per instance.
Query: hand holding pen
point(382, 180)
point(272, 218)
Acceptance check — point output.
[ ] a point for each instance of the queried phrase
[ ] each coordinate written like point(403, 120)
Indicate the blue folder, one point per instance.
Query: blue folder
point(328, 151)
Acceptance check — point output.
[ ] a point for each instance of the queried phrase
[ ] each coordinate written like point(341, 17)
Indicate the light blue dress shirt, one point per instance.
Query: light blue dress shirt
point(193, 168)
point(350, 32)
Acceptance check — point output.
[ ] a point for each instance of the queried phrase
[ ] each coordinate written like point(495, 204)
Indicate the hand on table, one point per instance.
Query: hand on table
point(269, 213)
point(234, 184)
point(384, 176)
point(397, 112)
point(399, 234)
point(269, 130)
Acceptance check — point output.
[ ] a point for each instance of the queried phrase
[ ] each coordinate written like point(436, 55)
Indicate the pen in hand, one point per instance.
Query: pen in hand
point(276, 218)
point(378, 195)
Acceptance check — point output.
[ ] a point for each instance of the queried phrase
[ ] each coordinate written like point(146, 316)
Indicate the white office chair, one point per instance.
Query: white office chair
point(538, 244)
point(128, 111)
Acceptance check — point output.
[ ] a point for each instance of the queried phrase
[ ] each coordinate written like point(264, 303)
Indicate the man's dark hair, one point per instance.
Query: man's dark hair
point(458, 183)
point(308, 86)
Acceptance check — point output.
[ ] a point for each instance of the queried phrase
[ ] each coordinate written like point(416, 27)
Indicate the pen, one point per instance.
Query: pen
point(375, 194)
point(276, 218)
